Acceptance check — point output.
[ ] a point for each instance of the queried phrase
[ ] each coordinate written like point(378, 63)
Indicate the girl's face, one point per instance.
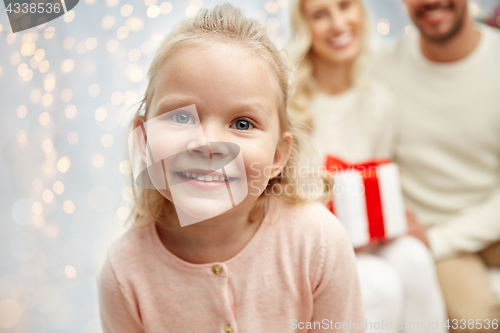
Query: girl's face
point(212, 130)
point(336, 27)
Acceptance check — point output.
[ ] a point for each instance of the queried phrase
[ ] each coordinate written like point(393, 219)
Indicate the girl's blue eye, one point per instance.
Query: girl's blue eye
point(242, 125)
point(183, 118)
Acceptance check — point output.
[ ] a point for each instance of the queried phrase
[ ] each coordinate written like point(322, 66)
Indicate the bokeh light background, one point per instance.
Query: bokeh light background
point(67, 90)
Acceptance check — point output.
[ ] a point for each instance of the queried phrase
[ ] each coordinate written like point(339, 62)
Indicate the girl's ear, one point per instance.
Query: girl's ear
point(282, 154)
point(140, 137)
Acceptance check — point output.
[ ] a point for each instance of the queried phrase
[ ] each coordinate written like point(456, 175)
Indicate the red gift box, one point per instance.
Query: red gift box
point(367, 199)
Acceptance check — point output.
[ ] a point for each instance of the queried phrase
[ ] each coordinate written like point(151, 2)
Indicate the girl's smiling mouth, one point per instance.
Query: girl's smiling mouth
point(205, 180)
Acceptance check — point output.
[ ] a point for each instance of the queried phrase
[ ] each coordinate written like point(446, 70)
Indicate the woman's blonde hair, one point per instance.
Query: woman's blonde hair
point(299, 50)
point(226, 24)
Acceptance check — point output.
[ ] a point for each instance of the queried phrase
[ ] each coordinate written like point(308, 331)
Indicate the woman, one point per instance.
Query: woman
point(354, 118)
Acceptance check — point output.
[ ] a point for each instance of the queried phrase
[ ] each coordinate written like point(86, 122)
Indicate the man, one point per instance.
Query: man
point(447, 80)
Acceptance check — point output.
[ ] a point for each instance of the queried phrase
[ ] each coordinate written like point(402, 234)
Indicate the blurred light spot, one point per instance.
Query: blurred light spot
point(24, 247)
point(107, 22)
point(125, 167)
point(44, 118)
point(149, 2)
point(47, 99)
point(1, 28)
point(63, 164)
point(136, 75)
point(68, 43)
point(271, 7)
point(69, 16)
point(15, 58)
point(122, 32)
point(274, 23)
point(22, 139)
point(81, 48)
point(100, 199)
point(46, 298)
point(126, 10)
point(191, 11)
point(35, 95)
point(94, 90)
point(90, 1)
point(22, 69)
point(47, 168)
point(117, 98)
point(260, 15)
point(197, 3)
point(112, 3)
point(28, 76)
point(47, 196)
point(11, 38)
point(37, 208)
point(68, 207)
point(10, 313)
point(66, 95)
point(166, 7)
point(100, 114)
point(98, 160)
point(70, 272)
point(58, 187)
point(383, 26)
point(22, 111)
point(47, 145)
point(474, 9)
point(112, 45)
point(134, 24)
point(39, 55)
point(156, 39)
point(70, 111)
point(49, 32)
point(107, 140)
point(154, 11)
point(68, 65)
point(28, 49)
point(91, 43)
point(122, 213)
point(283, 3)
point(73, 138)
point(408, 30)
point(50, 83)
point(127, 193)
point(134, 55)
point(130, 97)
point(44, 66)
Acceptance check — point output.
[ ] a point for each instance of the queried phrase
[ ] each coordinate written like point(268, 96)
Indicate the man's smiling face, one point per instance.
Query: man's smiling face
point(437, 20)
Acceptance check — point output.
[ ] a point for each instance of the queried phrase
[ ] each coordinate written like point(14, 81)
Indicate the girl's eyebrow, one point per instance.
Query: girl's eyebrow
point(171, 103)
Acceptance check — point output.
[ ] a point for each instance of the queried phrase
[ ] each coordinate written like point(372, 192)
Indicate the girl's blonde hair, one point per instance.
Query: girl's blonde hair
point(299, 49)
point(226, 24)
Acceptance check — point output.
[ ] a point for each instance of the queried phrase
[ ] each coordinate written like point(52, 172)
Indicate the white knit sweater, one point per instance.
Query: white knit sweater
point(357, 125)
point(449, 148)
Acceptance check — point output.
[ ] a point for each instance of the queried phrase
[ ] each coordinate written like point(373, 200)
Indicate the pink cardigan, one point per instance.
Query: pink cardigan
point(297, 272)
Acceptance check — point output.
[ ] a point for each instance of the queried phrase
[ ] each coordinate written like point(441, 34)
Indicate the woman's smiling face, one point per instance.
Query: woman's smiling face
point(213, 121)
point(336, 27)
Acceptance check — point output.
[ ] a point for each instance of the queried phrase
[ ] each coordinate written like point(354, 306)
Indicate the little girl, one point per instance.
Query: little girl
point(270, 260)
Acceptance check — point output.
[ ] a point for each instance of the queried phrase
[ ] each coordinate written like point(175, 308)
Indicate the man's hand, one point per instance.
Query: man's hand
point(415, 229)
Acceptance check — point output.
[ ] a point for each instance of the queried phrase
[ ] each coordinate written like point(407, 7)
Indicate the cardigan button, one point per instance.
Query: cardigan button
point(228, 329)
point(217, 269)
